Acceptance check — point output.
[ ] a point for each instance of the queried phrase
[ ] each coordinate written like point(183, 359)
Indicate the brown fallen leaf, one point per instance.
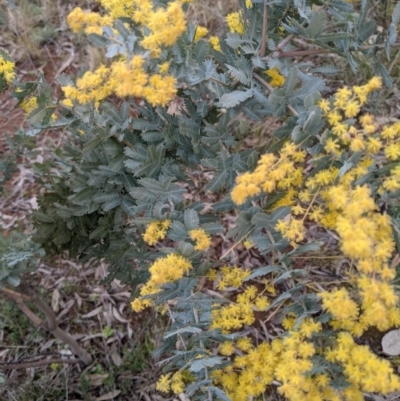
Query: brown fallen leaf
point(66, 309)
point(118, 316)
point(55, 301)
point(78, 299)
point(116, 358)
point(97, 379)
point(94, 312)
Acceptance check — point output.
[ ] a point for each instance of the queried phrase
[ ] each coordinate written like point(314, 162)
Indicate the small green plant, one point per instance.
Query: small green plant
point(13, 322)
point(137, 360)
point(85, 384)
point(124, 187)
point(107, 331)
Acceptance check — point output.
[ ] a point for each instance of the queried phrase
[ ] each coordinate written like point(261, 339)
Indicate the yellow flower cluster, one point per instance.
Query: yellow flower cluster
point(227, 348)
point(123, 79)
point(7, 69)
point(201, 31)
point(366, 237)
point(156, 231)
point(231, 277)
point(118, 8)
point(235, 22)
point(239, 313)
point(392, 183)
point(330, 198)
point(364, 370)
point(164, 270)
point(277, 79)
point(347, 103)
point(235, 315)
point(215, 44)
point(174, 382)
point(343, 309)
point(88, 22)
point(272, 173)
point(164, 26)
point(202, 239)
point(286, 360)
point(28, 105)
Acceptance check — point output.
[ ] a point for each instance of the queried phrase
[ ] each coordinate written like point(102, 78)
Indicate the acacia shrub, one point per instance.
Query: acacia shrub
point(120, 191)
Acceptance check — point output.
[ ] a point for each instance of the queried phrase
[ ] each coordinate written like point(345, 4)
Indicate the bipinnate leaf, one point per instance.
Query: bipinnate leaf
point(200, 364)
point(234, 98)
point(191, 219)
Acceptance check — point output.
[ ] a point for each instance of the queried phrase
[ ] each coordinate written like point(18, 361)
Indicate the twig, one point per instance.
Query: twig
point(50, 324)
point(34, 364)
point(235, 244)
point(274, 312)
point(270, 88)
point(264, 30)
point(311, 52)
point(278, 49)
point(219, 82)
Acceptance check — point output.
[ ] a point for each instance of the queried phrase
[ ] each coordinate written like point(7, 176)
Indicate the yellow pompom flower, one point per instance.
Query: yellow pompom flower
point(164, 270)
point(235, 23)
point(164, 383)
point(226, 348)
point(88, 22)
point(156, 231)
point(244, 344)
point(340, 305)
point(324, 105)
point(277, 79)
point(215, 44)
point(201, 31)
point(7, 69)
point(202, 239)
point(29, 105)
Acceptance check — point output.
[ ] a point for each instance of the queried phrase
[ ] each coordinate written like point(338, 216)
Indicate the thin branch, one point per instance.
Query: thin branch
point(51, 317)
point(270, 88)
point(278, 49)
point(50, 324)
point(125, 142)
point(235, 244)
point(34, 364)
point(264, 34)
point(311, 52)
point(274, 312)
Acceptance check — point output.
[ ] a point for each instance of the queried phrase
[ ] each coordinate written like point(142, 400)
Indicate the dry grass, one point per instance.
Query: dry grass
point(211, 14)
point(100, 319)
